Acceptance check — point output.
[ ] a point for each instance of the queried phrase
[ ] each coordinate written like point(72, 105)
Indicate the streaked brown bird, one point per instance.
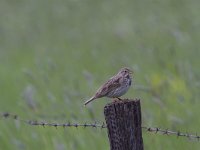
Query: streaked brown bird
point(115, 87)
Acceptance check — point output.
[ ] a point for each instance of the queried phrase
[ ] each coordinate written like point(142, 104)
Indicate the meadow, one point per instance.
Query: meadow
point(55, 54)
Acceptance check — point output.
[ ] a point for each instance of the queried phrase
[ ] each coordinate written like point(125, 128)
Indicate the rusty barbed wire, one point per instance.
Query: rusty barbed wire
point(99, 125)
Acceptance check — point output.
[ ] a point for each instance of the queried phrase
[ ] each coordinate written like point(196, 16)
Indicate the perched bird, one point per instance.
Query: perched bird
point(115, 87)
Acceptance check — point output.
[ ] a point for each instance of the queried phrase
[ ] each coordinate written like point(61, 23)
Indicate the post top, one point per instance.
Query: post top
point(123, 101)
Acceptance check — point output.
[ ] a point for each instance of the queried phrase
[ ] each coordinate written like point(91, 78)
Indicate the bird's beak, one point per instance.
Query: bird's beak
point(130, 71)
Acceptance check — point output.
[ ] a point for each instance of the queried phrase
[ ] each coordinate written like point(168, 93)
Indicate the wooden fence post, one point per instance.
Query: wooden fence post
point(123, 119)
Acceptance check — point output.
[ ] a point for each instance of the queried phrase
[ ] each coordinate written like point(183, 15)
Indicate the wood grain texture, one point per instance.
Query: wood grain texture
point(123, 119)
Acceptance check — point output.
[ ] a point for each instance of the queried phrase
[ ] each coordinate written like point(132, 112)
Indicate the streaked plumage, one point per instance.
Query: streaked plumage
point(115, 87)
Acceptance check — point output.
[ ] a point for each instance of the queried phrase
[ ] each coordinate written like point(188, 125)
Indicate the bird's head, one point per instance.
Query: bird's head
point(125, 72)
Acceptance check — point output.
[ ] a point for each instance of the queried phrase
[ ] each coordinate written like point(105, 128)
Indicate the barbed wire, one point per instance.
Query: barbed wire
point(98, 125)
point(169, 132)
point(68, 124)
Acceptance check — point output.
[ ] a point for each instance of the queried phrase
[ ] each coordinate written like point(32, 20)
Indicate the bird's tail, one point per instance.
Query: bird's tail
point(88, 101)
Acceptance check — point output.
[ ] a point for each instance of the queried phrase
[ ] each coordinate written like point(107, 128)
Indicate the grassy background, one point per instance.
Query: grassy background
point(55, 54)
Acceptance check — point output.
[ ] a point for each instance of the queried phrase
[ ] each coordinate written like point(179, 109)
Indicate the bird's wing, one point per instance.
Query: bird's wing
point(110, 85)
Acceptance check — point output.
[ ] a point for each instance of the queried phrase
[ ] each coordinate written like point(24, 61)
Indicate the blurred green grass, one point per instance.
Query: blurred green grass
point(55, 54)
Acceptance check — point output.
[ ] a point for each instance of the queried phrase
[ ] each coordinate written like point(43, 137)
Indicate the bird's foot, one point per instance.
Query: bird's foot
point(114, 100)
point(117, 99)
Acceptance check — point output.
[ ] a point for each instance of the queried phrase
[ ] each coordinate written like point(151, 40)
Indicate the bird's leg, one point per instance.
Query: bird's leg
point(119, 99)
point(114, 100)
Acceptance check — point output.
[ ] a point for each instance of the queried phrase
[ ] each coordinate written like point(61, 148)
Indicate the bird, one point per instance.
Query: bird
point(115, 87)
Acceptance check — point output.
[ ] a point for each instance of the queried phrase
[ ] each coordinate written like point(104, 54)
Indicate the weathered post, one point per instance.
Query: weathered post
point(123, 119)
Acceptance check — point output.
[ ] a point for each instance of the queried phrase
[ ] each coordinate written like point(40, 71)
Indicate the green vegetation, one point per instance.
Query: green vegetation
point(55, 54)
